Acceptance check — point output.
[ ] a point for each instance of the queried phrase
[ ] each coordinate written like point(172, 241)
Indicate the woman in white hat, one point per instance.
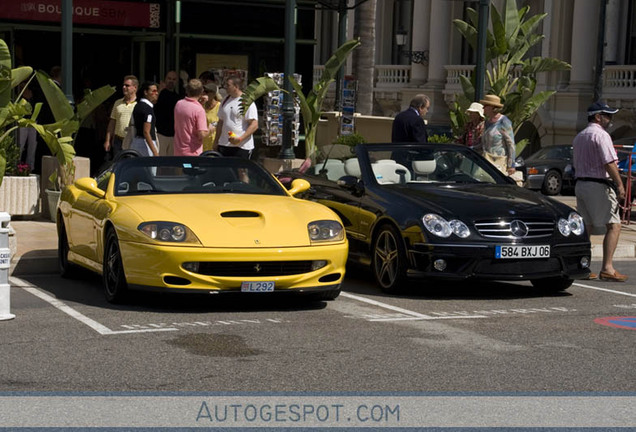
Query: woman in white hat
point(474, 129)
point(498, 140)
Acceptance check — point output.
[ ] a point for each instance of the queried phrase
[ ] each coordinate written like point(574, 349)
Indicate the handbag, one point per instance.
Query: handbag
point(500, 162)
point(131, 131)
point(517, 176)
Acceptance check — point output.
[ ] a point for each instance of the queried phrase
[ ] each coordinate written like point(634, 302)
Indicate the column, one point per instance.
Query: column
point(420, 39)
point(584, 41)
point(612, 24)
point(440, 27)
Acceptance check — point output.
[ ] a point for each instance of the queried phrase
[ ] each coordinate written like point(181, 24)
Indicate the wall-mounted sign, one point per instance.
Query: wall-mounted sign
point(96, 12)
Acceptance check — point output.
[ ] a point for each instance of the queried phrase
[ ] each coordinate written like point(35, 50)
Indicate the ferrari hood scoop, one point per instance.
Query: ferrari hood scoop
point(240, 214)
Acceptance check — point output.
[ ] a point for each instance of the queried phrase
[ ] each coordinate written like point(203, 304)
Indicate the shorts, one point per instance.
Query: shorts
point(231, 151)
point(598, 204)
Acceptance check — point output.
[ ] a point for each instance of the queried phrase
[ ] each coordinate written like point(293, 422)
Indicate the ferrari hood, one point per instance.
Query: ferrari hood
point(480, 201)
point(235, 221)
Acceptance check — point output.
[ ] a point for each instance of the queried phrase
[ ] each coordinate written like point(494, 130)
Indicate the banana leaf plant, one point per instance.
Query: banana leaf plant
point(11, 113)
point(513, 33)
point(311, 104)
point(60, 136)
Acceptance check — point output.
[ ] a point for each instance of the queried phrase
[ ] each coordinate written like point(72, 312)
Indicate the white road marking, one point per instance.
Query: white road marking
point(604, 289)
point(411, 314)
point(99, 328)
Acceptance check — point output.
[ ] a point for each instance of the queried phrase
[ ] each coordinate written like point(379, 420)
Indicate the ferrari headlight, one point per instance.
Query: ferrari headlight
point(168, 232)
point(573, 224)
point(440, 227)
point(325, 231)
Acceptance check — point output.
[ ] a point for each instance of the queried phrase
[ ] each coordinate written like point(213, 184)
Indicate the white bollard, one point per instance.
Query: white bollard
point(5, 264)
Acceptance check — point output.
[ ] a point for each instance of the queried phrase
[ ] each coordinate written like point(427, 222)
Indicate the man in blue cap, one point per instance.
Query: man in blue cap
point(599, 188)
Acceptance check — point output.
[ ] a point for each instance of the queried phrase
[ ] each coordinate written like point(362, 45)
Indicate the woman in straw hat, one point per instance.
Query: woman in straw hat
point(474, 129)
point(498, 140)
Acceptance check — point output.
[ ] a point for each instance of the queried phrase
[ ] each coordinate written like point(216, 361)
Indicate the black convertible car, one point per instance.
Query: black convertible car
point(442, 211)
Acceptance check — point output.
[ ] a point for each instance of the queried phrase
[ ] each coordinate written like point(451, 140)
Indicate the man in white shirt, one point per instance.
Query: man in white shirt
point(234, 131)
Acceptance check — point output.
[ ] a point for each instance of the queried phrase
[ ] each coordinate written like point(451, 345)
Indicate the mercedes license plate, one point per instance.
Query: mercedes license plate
point(257, 286)
point(516, 252)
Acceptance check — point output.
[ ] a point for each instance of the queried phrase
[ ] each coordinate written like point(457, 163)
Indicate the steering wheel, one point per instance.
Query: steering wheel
point(126, 154)
point(211, 153)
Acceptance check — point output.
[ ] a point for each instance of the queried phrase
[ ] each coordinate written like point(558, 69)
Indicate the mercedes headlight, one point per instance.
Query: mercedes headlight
point(573, 224)
point(325, 231)
point(440, 227)
point(168, 232)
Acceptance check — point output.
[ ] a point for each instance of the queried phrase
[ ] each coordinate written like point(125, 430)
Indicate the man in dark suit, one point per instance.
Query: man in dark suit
point(408, 126)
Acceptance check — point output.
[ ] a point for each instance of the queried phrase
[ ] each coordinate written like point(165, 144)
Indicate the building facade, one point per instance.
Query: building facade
point(418, 50)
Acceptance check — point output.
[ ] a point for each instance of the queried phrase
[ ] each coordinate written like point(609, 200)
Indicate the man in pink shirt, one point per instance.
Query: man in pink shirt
point(599, 188)
point(190, 123)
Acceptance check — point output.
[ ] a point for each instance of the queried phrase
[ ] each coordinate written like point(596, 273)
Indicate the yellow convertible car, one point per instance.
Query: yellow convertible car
point(199, 224)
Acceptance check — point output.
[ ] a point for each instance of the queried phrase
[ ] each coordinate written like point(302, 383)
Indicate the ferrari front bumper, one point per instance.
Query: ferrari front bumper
point(160, 267)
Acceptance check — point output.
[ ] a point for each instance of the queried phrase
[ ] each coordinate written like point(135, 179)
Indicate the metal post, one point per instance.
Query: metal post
point(342, 38)
point(67, 49)
point(482, 32)
point(177, 39)
point(287, 149)
point(5, 264)
point(600, 53)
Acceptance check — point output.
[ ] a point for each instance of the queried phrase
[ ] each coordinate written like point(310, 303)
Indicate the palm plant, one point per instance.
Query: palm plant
point(310, 105)
point(510, 74)
point(60, 136)
point(12, 114)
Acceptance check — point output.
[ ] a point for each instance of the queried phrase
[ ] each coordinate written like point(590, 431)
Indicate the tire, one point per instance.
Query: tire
point(388, 259)
point(553, 284)
point(552, 184)
point(115, 286)
point(67, 270)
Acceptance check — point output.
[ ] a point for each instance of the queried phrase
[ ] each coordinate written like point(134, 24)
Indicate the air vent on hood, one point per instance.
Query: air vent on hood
point(240, 214)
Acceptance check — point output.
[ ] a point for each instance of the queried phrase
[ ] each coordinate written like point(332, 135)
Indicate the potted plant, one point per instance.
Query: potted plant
point(60, 136)
point(20, 190)
point(12, 114)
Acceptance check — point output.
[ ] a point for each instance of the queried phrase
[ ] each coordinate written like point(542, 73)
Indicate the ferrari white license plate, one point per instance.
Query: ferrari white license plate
point(516, 252)
point(257, 286)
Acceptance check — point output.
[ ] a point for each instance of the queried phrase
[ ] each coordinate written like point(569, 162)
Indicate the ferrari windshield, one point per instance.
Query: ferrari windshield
point(192, 175)
point(407, 164)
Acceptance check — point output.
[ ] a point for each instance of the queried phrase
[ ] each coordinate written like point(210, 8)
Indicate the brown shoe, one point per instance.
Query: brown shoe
point(616, 277)
point(592, 276)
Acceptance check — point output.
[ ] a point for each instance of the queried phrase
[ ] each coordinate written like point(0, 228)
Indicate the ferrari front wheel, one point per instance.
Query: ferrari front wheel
point(115, 286)
point(389, 259)
point(67, 270)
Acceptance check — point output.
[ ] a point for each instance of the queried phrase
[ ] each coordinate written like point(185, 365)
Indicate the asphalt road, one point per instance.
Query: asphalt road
point(492, 337)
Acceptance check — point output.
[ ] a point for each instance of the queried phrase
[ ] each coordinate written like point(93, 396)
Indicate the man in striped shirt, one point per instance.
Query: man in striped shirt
point(599, 188)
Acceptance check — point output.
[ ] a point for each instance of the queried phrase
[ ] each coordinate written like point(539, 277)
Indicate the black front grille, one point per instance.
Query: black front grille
point(502, 229)
point(254, 268)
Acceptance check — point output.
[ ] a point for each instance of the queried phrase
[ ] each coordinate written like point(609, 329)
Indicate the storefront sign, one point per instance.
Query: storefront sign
point(96, 12)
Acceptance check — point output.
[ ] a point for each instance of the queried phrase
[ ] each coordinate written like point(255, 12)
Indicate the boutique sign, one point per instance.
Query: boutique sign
point(95, 12)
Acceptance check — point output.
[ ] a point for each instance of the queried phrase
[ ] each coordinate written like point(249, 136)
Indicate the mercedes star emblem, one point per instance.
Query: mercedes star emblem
point(518, 228)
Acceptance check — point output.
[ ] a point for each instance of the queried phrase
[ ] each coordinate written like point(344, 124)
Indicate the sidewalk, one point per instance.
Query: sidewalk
point(36, 244)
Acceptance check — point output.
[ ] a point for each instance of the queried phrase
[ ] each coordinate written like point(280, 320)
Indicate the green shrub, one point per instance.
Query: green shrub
point(350, 140)
point(10, 150)
point(440, 139)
